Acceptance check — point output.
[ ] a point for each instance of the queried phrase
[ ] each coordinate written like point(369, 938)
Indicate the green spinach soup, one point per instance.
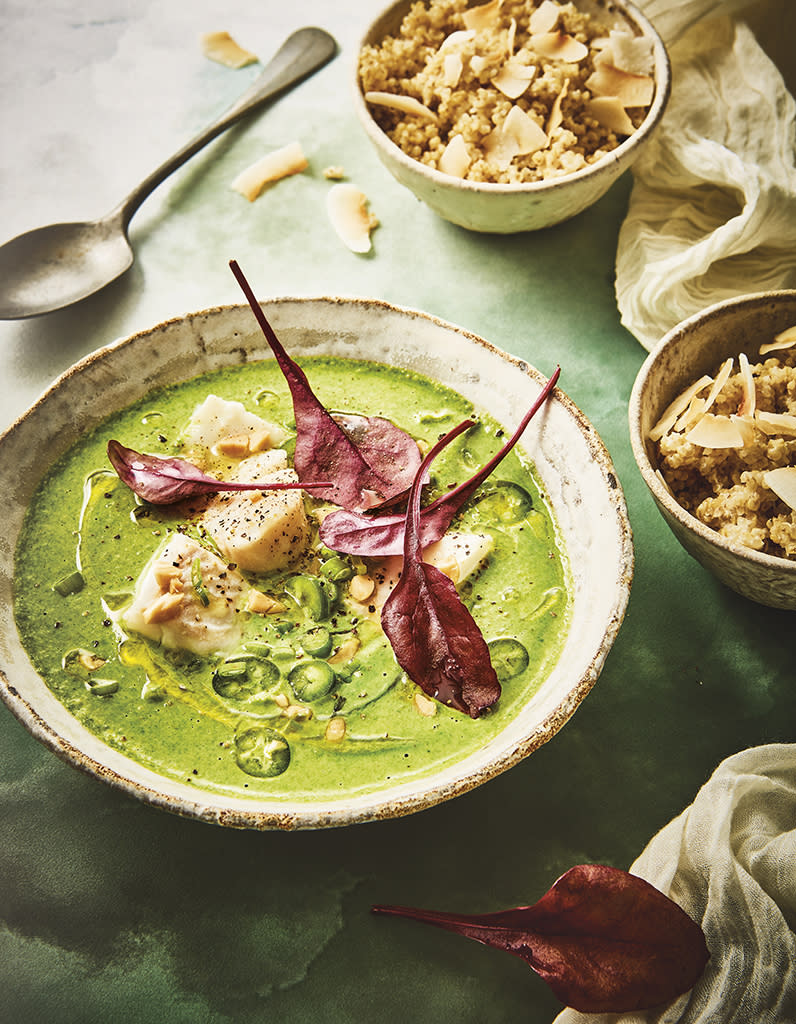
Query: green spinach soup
point(220, 642)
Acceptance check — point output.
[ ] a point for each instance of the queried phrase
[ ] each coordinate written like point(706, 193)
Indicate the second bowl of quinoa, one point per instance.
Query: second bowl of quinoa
point(510, 115)
point(712, 422)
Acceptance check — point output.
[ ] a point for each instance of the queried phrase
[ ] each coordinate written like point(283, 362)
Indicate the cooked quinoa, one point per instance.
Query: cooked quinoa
point(725, 487)
point(415, 63)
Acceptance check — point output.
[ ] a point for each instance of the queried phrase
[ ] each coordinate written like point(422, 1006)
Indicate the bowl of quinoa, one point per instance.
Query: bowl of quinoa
point(712, 422)
point(510, 115)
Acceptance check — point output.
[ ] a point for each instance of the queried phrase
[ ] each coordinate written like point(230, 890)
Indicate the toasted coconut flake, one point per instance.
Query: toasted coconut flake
point(455, 159)
point(749, 400)
point(558, 46)
point(457, 40)
point(478, 63)
point(518, 135)
point(452, 66)
point(527, 133)
point(483, 16)
point(347, 208)
point(222, 48)
point(396, 101)
point(776, 424)
point(500, 148)
point(556, 116)
point(511, 36)
point(721, 379)
point(280, 163)
point(630, 90)
point(630, 53)
point(544, 19)
point(697, 407)
point(715, 432)
point(672, 411)
point(611, 114)
point(746, 425)
point(783, 483)
point(514, 78)
point(785, 339)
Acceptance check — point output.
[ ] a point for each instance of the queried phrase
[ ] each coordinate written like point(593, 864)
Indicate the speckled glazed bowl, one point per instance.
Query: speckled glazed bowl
point(504, 208)
point(696, 346)
point(574, 468)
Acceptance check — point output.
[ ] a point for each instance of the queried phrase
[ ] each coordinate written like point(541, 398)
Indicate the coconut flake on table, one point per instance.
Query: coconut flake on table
point(280, 163)
point(347, 208)
point(222, 48)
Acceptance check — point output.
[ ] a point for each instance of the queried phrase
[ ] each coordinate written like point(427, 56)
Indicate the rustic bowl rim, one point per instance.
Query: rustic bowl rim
point(715, 312)
point(240, 813)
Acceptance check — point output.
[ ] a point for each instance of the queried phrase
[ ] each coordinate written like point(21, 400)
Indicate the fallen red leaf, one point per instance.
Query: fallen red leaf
point(604, 940)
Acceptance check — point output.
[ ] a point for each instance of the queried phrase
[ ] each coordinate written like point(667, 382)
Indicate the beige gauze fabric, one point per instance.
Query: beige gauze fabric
point(729, 860)
point(712, 212)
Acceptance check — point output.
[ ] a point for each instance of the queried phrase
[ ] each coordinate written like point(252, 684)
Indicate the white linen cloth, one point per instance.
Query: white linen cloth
point(712, 212)
point(729, 860)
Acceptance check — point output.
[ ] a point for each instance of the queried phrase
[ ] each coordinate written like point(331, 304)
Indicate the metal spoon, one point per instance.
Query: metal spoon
point(51, 267)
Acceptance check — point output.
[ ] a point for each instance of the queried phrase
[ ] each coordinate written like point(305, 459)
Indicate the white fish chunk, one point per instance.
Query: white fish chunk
point(168, 607)
point(260, 530)
point(217, 419)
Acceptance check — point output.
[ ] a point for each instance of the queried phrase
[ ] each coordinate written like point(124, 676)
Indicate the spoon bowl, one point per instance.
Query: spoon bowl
point(55, 266)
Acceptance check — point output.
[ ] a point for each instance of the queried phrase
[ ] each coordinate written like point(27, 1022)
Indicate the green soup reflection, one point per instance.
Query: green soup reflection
point(310, 704)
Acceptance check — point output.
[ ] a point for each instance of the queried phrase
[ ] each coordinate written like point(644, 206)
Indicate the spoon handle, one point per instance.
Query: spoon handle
point(302, 53)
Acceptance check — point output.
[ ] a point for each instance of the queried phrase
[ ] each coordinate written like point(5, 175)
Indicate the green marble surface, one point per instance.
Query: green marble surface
point(114, 911)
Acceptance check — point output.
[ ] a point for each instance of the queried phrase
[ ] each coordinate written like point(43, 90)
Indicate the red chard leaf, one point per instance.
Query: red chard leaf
point(605, 941)
point(166, 481)
point(376, 532)
point(368, 458)
point(358, 534)
point(434, 637)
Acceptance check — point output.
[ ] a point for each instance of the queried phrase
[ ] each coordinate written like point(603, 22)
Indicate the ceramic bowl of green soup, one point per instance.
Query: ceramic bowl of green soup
point(224, 656)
